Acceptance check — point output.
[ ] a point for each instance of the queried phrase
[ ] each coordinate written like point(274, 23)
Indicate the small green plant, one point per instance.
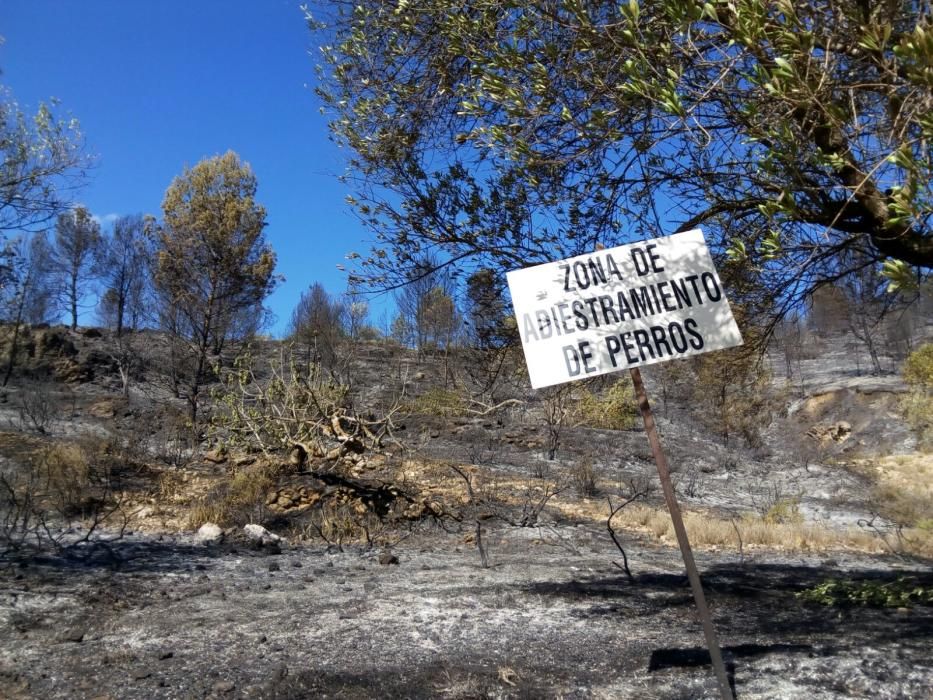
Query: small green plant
point(918, 367)
point(917, 404)
point(900, 593)
point(438, 402)
point(614, 410)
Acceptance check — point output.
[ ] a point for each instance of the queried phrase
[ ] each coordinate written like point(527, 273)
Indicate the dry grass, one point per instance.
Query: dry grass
point(707, 530)
point(14, 445)
point(903, 490)
point(784, 531)
point(239, 499)
point(913, 472)
point(438, 402)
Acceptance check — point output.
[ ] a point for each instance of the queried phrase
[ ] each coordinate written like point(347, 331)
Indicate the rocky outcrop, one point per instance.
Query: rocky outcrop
point(824, 433)
point(209, 533)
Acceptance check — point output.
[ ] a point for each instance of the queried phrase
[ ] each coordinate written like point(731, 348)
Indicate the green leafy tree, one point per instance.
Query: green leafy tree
point(41, 162)
point(213, 268)
point(518, 132)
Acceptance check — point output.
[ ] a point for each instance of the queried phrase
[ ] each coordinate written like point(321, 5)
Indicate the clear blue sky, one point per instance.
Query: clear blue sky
point(159, 84)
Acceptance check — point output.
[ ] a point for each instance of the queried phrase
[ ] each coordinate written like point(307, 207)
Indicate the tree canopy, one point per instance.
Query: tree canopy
point(213, 267)
point(73, 257)
point(797, 134)
point(41, 159)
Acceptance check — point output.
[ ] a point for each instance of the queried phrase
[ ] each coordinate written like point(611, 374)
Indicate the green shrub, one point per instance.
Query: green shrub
point(614, 410)
point(900, 593)
point(917, 404)
point(918, 367)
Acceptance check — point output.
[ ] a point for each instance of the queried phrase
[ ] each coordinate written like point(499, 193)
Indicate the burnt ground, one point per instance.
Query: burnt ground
point(552, 617)
point(154, 615)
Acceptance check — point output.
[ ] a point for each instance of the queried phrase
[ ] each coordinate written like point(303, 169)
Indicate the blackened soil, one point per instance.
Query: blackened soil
point(551, 617)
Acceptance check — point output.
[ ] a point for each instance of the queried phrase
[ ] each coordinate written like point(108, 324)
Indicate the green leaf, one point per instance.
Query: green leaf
point(900, 276)
point(736, 252)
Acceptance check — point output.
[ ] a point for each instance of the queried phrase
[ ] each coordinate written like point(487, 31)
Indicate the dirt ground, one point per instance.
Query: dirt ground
point(552, 617)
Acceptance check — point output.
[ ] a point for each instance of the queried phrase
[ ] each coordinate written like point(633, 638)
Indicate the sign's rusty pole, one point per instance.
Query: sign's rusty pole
point(693, 574)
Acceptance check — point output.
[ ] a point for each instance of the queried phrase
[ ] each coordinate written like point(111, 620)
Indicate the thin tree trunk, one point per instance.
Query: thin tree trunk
point(13, 348)
point(74, 302)
point(17, 322)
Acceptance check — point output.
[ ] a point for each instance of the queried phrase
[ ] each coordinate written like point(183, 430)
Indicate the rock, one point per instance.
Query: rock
point(216, 456)
point(832, 432)
point(75, 634)
point(274, 567)
point(53, 343)
point(209, 533)
point(224, 687)
point(260, 535)
point(297, 457)
point(388, 559)
point(245, 460)
point(279, 673)
point(292, 500)
point(354, 445)
point(415, 511)
point(102, 409)
point(71, 372)
point(91, 333)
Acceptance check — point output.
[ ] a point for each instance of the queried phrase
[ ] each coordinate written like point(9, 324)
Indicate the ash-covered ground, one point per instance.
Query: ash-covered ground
point(154, 614)
point(552, 617)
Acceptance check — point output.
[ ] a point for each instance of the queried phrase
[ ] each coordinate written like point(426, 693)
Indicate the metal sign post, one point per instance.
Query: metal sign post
point(693, 574)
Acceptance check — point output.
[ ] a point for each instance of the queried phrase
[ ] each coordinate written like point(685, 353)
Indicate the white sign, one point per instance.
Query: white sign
point(622, 307)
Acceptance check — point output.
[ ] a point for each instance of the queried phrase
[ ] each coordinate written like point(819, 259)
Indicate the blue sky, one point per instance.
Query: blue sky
point(160, 84)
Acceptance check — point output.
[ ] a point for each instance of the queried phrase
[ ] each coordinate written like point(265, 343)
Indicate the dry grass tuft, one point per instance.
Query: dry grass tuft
point(707, 530)
point(237, 501)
